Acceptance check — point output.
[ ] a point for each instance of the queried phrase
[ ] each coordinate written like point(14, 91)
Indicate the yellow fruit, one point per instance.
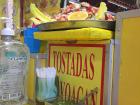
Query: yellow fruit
point(78, 15)
point(38, 14)
point(101, 12)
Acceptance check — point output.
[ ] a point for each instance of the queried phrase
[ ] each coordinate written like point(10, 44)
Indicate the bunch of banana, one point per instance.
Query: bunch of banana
point(38, 14)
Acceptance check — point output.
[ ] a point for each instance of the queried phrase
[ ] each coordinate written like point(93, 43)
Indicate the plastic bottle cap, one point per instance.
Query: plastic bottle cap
point(7, 31)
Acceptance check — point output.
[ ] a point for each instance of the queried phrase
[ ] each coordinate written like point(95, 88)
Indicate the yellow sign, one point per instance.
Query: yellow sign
point(80, 68)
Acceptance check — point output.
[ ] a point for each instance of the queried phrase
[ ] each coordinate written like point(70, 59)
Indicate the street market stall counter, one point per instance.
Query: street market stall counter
point(83, 61)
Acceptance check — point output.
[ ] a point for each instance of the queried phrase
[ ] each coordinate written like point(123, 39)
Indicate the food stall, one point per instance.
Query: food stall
point(83, 63)
point(81, 51)
point(60, 42)
point(81, 54)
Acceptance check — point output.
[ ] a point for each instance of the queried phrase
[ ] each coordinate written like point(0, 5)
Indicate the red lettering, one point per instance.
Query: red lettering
point(54, 53)
point(67, 92)
point(73, 94)
point(85, 68)
point(93, 99)
point(61, 87)
point(59, 61)
point(63, 63)
point(79, 65)
point(78, 93)
point(72, 71)
point(91, 75)
point(73, 64)
point(68, 61)
point(56, 57)
point(86, 99)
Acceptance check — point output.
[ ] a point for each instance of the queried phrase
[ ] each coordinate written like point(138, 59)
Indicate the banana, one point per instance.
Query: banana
point(101, 12)
point(38, 14)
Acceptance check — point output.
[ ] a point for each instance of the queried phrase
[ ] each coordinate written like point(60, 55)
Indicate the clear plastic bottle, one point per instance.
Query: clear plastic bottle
point(14, 59)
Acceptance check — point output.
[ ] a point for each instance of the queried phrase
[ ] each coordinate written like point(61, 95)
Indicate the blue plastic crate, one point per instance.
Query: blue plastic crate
point(33, 44)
